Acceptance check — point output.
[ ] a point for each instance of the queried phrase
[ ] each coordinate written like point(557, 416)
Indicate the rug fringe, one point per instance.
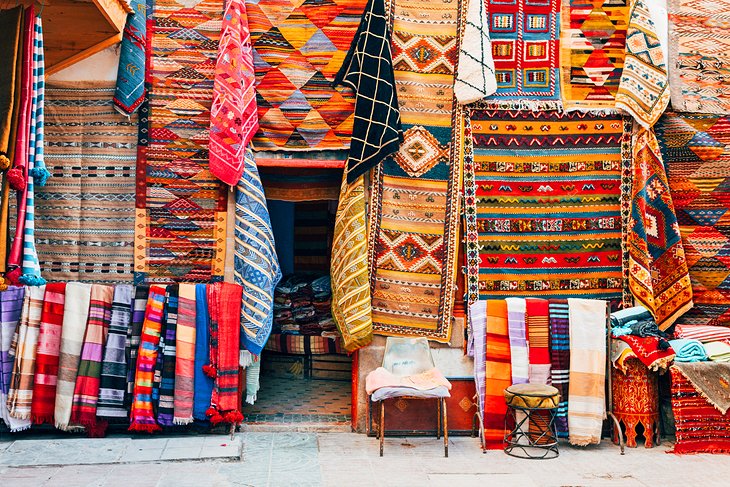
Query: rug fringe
point(245, 359)
point(21, 428)
point(42, 418)
point(145, 427)
point(182, 421)
point(251, 398)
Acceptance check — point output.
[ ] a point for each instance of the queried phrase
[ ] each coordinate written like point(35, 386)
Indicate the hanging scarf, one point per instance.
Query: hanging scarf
point(134, 332)
point(368, 70)
point(351, 305)
point(253, 372)
point(478, 320)
point(141, 415)
point(11, 307)
point(224, 303)
point(520, 361)
point(560, 360)
point(498, 373)
point(185, 355)
point(538, 338)
point(475, 77)
point(256, 266)
point(166, 358)
point(233, 115)
point(129, 91)
point(202, 383)
point(49, 344)
point(113, 382)
point(11, 23)
point(86, 391)
point(23, 348)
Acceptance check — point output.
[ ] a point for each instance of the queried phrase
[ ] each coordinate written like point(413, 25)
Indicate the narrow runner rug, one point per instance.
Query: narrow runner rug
point(202, 383)
point(141, 415)
point(414, 210)
point(538, 338)
point(586, 390)
point(47, 356)
point(75, 316)
point(520, 361)
point(498, 374)
point(560, 360)
point(11, 307)
point(86, 390)
point(185, 355)
point(166, 358)
point(181, 207)
point(134, 333)
point(129, 90)
point(113, 381)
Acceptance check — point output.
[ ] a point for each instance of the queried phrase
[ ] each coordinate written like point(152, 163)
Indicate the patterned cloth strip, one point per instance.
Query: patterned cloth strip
point(134, 333)
point(538, 338)
point(520, 360)
point(23, 349)
point(202, 383)
point(113, 380)
point(11, 307)
point(11, 21)
point(233, 115)
point(478, 322)
point(292, 184)
point(129, 90)
point(560, 360)
point(256, 265)
point(141, 415)
point(703, 333)
point(166, 358)
point(85, 213)
point(86, 391)
point(538, 175)
point(647, 351)
point(475, 77)
point(185, 355)
point(304, 345)
point(73, 329)
point(49, 344)
point(498, 373)
point(298, 49)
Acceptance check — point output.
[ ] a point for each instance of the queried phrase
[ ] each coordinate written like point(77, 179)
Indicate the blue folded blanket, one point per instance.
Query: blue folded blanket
point(688, 350)
point(625, 316)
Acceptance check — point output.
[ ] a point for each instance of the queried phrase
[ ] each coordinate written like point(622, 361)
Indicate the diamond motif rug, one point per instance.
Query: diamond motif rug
point(298, 48)
point(546, 195)
point(696, 152)
point(414, 207)
point(181, 206)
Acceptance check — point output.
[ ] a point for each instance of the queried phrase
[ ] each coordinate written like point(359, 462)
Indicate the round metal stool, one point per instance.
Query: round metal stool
point(531, 408)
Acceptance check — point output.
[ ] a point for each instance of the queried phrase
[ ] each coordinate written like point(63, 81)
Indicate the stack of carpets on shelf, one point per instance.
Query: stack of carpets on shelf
point(302, 306)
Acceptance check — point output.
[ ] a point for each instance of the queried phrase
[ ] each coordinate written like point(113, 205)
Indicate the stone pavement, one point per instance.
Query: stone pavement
point(335, 459)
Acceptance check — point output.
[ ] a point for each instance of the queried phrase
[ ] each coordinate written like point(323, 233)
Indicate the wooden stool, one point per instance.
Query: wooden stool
point(531, 408)
point(636, 402)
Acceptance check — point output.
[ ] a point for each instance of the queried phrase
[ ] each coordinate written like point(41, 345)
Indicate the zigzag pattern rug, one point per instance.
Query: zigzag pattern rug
point(696, 152)
point(545, 189)
point(181, 207)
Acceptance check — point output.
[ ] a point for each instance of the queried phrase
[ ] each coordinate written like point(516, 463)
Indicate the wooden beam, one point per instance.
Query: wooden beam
point(55, 68)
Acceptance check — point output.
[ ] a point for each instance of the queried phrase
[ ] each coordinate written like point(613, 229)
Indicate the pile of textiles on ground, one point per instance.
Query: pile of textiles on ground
point(302, 306)
point(82, 356)
point(636, 334)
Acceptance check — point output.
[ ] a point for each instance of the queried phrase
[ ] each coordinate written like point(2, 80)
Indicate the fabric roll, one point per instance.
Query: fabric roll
point(586, 391)
point(233, 115)
point(256, 265)
point(141, 414)
point(185, 355)
point(475, 77)
point(520, 361)
point(23, 348)
point(11, 22)
point(11, 307)
point(166, 358)
point(560, 360)
point(625, 316)
point(498, 373)
point(86, 390)
point(478, 321)
point(129, 90)
point(688, 350)
point(49, 345)
point(202, 383)
point(538, 338)
point(134, 333)
point(113, 381)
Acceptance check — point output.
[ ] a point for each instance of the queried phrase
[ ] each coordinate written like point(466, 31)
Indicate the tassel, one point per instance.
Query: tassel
point(233, 417)
point(251, 398)
point(4, 162)
point(42, 419)
point(16, 179)
point(210, 371)
point(31, 280)
point(40, 175)
point(245, 358)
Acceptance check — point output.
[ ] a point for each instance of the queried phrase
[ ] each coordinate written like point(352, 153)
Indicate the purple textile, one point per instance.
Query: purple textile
point(518, 340)
point(478, 319)
point(11, 305)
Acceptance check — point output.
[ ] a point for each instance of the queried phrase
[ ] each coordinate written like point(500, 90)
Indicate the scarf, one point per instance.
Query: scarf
point(224, 304)
point(202, 383)
point(113, 381)
point(368, 70)
point(233, 115)
point(23, 348)
point(49, 344)
point(86, 390)
point(351, 304)
point(11, 307)
point(253, 372)
point(538, 333)
point(256, 266)
point(478, 320)
point(11, 22)
point(134, 332)
point(166, 358)
point(141, 415)
point(129, 91)
point(560, 360)
point(586, 390)
point(498, 373)
point(185, 355)
point(475, 78)
point(520, 361)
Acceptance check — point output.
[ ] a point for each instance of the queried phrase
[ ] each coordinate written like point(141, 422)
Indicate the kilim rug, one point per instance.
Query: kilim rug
point(536, 176)
point(525, 49)
point(593, 41)
point(414, 207)
point(696, 153)
point(699, 38)
point(85, 212)
point(181, 207)
point(298, 49)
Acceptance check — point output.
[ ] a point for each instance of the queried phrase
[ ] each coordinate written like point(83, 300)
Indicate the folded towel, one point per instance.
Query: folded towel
point(624, 316)
point(718, 351)
point(688, 350)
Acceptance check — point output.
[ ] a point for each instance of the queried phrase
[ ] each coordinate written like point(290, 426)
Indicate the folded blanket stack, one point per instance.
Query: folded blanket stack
point(688, 350)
